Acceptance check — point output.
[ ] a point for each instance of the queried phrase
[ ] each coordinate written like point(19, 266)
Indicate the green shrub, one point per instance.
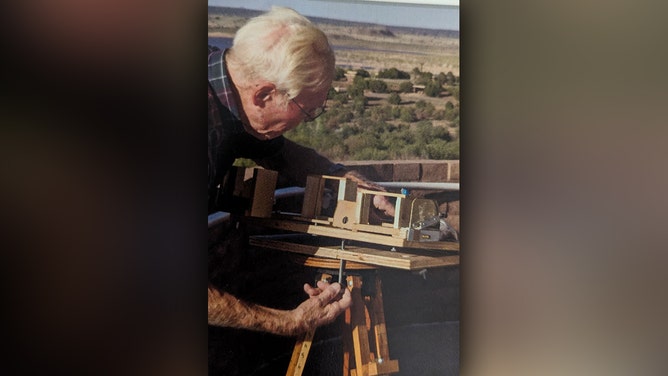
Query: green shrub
point(362, 73)
point(393, 73)
point(407, 114)
point(394, 98)
point(433, 89)
point(339, 74)
point(406, 87)
point(377, 86)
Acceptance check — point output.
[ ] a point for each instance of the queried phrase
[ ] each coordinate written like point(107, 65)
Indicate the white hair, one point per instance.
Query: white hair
point(286, 49)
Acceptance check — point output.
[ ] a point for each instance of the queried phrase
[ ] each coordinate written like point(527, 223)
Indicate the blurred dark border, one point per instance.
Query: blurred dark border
point(104, 218)
point(563, 184)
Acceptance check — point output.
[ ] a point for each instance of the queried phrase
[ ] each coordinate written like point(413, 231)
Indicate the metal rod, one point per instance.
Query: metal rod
point(342, 264)
point(420, 185)
point(288, 192)
point(298, 191)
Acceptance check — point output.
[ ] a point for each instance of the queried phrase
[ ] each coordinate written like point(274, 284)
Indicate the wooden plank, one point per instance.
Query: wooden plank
point(309, 228)
point(347, 339)
point(396, 260)
point(312, 203)
point(358, 323)
point(377, 314)
point(300, 353)
point(379, 229)
point(263, 192)
point(364, 202)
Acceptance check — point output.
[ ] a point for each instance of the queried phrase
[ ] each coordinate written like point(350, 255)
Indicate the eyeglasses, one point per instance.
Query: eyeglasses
point(310, 117)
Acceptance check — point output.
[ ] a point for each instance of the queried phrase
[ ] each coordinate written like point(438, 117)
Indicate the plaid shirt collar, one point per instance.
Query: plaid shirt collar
point(220, 81)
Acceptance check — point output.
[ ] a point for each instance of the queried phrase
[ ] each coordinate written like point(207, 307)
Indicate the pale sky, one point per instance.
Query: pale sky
point(429, 14)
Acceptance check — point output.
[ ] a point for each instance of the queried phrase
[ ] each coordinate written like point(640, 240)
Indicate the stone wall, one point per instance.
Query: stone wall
point(417, 170)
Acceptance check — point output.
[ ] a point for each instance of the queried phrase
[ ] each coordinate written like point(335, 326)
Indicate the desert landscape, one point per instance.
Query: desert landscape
point(368, 46)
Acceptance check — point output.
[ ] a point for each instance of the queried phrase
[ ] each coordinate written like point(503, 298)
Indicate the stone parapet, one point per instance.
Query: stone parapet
point(410, 170)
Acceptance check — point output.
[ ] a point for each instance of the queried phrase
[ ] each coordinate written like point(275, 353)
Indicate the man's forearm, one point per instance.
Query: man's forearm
point(227, 310)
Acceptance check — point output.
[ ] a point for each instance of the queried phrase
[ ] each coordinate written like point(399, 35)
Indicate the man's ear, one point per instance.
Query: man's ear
point(263, 93)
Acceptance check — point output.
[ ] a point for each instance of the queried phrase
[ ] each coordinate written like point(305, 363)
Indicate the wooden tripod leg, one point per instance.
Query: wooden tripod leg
point(300, 353)
point(359, 331)
point(347, 340)
point(383, 364)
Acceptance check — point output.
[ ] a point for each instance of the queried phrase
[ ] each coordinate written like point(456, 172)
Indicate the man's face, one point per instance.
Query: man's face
point(282, 114)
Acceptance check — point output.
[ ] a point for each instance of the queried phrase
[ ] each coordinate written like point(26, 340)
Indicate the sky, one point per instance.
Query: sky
point(428, 14)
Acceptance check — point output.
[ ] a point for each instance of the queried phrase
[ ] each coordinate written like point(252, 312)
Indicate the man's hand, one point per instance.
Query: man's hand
point(379, 202)
point(325, 303)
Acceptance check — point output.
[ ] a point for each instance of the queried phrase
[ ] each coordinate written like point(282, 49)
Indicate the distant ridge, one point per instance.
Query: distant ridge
point(248, 13)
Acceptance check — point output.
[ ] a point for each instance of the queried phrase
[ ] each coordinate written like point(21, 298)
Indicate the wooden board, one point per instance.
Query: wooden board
point(368, 237)
point(372, 256)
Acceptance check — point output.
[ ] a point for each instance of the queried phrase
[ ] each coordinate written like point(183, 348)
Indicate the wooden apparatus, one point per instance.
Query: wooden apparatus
point(351, 218)
point(409, 242)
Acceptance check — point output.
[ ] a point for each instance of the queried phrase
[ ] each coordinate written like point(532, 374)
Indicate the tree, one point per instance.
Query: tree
point(407, 115)
point(377, 86)
point(340, 74)
point(406, 87)
point(393, 73)
point(359, 105)
point(455, 91)
point(357, 88)
point(394, 98)
point(433, 89)
point(362, 73)
point(423, 78)
point(450, 78)
point(441, 78)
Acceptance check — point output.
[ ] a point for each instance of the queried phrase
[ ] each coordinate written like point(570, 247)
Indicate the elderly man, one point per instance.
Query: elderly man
point(276, 75)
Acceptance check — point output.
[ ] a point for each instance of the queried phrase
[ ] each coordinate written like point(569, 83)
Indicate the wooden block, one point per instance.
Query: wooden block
point(263, 193)
point(239, 185)
point(345, 214)
point(313, 196)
